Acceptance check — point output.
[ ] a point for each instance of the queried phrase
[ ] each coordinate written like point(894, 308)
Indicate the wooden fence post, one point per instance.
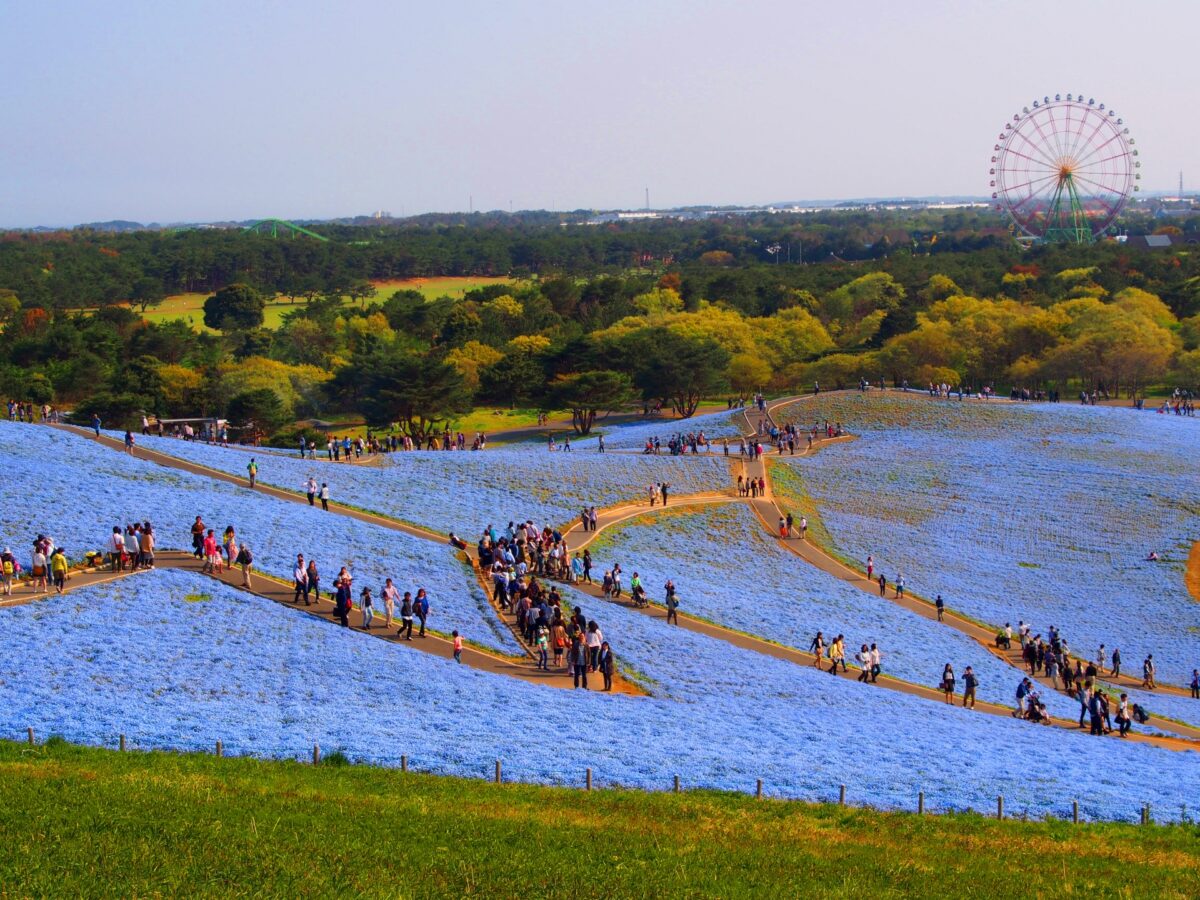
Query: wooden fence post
point(498, 779)
point(842, 795)
point(588, 779)
point(1075, 811)
point(30, 732)
point(677, 784)
point(1000, 808)
point(403, 763)
point(758, 789)
point(316, 754)
point(220, 749)
point(920, 803)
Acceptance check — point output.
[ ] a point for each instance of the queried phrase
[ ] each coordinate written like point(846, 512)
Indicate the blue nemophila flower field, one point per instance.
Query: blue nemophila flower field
point(175, 660)
point(463, 492)
point(1039, 512)
point(729, 570)
point(76, 490)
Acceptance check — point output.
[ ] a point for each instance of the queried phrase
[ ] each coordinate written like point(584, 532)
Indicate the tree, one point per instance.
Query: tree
point(261, 408)
point(419, 394)
point(748, 373)
point(10, 305)
point(586, 393)
point(360, 291)
point(237, 306)
point(678, 368)
point(147, 292)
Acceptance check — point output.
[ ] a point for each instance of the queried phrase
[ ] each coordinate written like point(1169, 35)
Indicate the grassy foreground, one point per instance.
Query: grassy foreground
point(90, 822)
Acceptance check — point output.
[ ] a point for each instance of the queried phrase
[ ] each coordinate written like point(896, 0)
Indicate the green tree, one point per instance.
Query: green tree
point(261, 408)
point(586, 393)
point(147, 292)
point(419, 394)
point(237, 306)
point(678, 368)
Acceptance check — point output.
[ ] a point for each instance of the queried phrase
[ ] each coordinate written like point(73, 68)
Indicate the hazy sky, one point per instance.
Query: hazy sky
point(177, 110)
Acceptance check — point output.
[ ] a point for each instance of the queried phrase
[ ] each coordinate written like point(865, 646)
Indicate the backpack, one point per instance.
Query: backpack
point(1140, 715)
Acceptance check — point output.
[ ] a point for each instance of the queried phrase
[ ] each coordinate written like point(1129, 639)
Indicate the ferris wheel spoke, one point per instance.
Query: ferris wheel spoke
point(1046, 141)
point(1091, 166)
point(1105, 190)
point(1116, 136)
point(1032, 181)
point(1078, 138)
point(1096, 131)
point(1039, 193)
point(1055, 131)
point(1041, 166)
point(1037, 148)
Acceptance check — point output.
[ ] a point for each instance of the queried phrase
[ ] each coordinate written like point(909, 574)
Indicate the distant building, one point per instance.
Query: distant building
point(1160, 241)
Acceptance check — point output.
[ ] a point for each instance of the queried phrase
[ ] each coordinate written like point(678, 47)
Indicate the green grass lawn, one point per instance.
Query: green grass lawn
point(86, 822)
point(191, 306)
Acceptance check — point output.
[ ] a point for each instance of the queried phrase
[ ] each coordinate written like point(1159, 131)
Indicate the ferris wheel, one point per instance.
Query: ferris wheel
point(1064, 169)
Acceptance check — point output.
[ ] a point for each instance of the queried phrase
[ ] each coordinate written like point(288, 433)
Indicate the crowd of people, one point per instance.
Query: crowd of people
point(24, 411)
point(516, 558)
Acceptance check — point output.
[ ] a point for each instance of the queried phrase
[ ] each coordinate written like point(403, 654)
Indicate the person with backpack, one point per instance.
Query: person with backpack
point(672, 602)
point(58, 569)
point(1124, 722)
point(542, 642)
point(252, 471)
point(1148, 672)
point(246, 560)
point(940, 604)
point(8, 569)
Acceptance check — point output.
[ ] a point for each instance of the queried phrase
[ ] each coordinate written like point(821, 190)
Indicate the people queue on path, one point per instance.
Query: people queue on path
point(516, 558)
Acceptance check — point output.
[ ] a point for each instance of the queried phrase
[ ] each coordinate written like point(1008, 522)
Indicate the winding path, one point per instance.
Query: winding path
point(764, 507)
point(768, 512)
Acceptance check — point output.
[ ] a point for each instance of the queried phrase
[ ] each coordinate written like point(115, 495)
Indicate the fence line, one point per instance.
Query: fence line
point(676, 785)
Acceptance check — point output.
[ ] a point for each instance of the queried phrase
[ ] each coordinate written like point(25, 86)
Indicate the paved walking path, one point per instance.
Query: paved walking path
point(769, 512)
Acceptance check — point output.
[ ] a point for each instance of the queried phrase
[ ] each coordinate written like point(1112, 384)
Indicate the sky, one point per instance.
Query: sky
point(207, 111)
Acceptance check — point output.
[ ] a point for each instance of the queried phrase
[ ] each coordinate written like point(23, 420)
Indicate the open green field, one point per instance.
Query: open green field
point(87, 822)
point(191, 306)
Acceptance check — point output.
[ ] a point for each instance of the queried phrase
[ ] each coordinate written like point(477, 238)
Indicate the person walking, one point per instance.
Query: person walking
point(577, 660)
point(607, 665)
point(367, 606)
point(817, 648)
point(246, 560)
point(1124, 719)
point(1148, 672)
point(310, 490)
point(342, 602)
point(542, 642)
point(672, 602)
point(300, 579)
point(882, 585)
point(970, 682)
point(900, 586)
point(941, 606)
point(948, 682)
point(389, 595)
point(1116, 663)
point(406, 617)
point(95, 424)
point(252, 471)
point(314, 581)
point(58, 569)
point(129, 442)
point(325, 496)
point(664, 487)
point(1195, 685)
point(876, 662)
point(421, 608)
point(458, 645)
point(804, 528)
point(870, 567)
point(863, 658)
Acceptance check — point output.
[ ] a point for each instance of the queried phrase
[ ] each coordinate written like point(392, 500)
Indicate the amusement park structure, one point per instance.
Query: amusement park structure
point(274, 226)
point(1064, 169)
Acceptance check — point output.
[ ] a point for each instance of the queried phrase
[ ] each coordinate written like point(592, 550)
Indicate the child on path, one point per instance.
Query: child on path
point(458, 645)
